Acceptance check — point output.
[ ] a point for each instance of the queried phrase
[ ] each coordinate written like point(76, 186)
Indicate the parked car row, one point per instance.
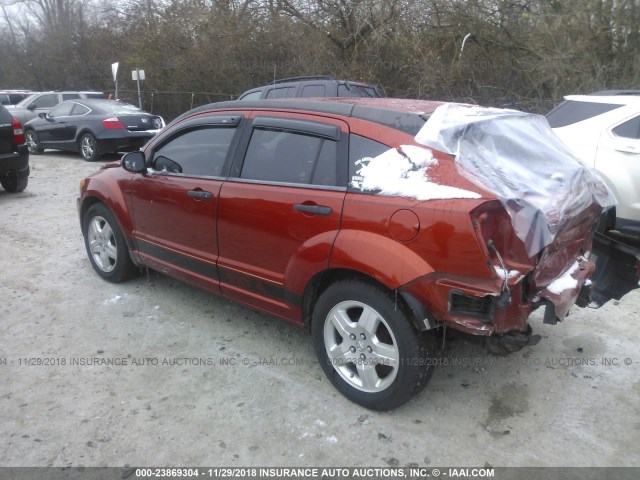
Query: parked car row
point(92, 128)
point(42, 102)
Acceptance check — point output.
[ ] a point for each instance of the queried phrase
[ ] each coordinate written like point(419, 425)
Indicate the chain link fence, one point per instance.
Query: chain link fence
point(170, 104)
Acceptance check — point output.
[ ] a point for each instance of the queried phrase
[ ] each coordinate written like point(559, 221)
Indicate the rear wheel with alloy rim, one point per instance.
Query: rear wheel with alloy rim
point(368, 347)
point(89, 147)
point(31, 139)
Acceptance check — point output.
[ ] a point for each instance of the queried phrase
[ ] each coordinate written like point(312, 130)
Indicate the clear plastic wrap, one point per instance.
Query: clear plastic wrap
point(517, 157)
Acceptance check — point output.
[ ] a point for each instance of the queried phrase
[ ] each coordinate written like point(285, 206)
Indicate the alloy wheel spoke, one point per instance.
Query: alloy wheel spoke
point(112, 251)
point(104, 260)
point(341, 323)
point(369, 321)
point(368, 375)
point(340, 351)
point(94, 246)
point(94, 230)
point(106, 232)
point(387, 354)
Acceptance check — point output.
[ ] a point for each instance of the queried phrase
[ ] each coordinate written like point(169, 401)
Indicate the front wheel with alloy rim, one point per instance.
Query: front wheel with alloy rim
point(31, 139)
point(106, 246)
point(368, 347)
point(89, 147)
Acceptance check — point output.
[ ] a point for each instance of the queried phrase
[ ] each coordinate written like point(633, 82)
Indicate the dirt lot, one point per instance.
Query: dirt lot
point(199, 380)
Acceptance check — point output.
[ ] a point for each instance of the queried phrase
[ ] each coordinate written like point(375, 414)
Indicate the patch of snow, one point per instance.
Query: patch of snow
point(332, 439)
point(565, 281)
point(403, 172)
point(320, 423)
point(113, 300)
point(501, 272)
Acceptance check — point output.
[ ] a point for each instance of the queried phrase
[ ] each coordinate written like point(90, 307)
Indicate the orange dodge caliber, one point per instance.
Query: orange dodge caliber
point(371, 222)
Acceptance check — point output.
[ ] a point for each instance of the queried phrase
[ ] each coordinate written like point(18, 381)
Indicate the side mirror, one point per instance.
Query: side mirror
point(31, 106)
point(43, 115)
point(134, 162)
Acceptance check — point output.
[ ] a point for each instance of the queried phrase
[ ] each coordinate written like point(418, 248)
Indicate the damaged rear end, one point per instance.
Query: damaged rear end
point(536, 237)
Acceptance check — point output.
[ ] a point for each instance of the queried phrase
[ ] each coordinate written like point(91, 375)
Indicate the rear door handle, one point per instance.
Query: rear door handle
point(200, 194)
point(313, 209)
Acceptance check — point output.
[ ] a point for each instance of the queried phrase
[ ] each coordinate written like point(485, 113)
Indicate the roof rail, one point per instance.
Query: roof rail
point(615, 92)
point(299, 79)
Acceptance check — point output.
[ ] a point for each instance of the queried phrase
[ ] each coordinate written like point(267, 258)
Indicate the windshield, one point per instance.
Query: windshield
point(570, 112)
point(26, 101)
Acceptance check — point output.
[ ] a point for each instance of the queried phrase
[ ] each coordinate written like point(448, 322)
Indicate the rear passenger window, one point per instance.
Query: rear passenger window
point(284, 92)
point(278, 156)
point(361, 151)
point(313, 91)
point(252, 96)
point(79, 109)
point(62, 110)
point(628, 129)
point(198, 152)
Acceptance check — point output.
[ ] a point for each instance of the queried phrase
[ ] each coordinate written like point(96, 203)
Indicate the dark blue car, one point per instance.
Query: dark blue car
point(92, 128)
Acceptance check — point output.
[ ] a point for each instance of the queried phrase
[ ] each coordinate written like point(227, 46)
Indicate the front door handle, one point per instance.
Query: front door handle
point(200, 194)
point(313, 209)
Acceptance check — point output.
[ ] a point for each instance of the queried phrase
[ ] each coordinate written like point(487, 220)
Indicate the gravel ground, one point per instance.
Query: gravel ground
point(198, 380)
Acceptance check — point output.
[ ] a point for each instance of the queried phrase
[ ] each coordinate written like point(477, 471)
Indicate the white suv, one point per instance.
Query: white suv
point(603, 129)
point(43, 102)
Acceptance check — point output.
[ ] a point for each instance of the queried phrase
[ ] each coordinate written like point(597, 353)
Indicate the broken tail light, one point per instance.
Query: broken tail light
point(505, 252)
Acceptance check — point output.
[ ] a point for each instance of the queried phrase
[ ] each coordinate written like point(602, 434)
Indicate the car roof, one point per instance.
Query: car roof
point(402, 114)
point(97, 103)
point(611, 99)
point(312, 79)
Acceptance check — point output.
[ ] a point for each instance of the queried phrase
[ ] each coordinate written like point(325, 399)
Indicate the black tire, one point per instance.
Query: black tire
point(382, 386)
point(31, 139)
point(14, 184)
point(89, 147)
point(106, 246)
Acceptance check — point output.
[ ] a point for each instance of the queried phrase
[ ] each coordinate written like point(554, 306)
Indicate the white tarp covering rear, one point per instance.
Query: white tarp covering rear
point(518, 158)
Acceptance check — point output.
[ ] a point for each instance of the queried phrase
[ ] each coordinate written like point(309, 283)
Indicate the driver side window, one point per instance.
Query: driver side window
point(197, 152)
point(46, 101)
